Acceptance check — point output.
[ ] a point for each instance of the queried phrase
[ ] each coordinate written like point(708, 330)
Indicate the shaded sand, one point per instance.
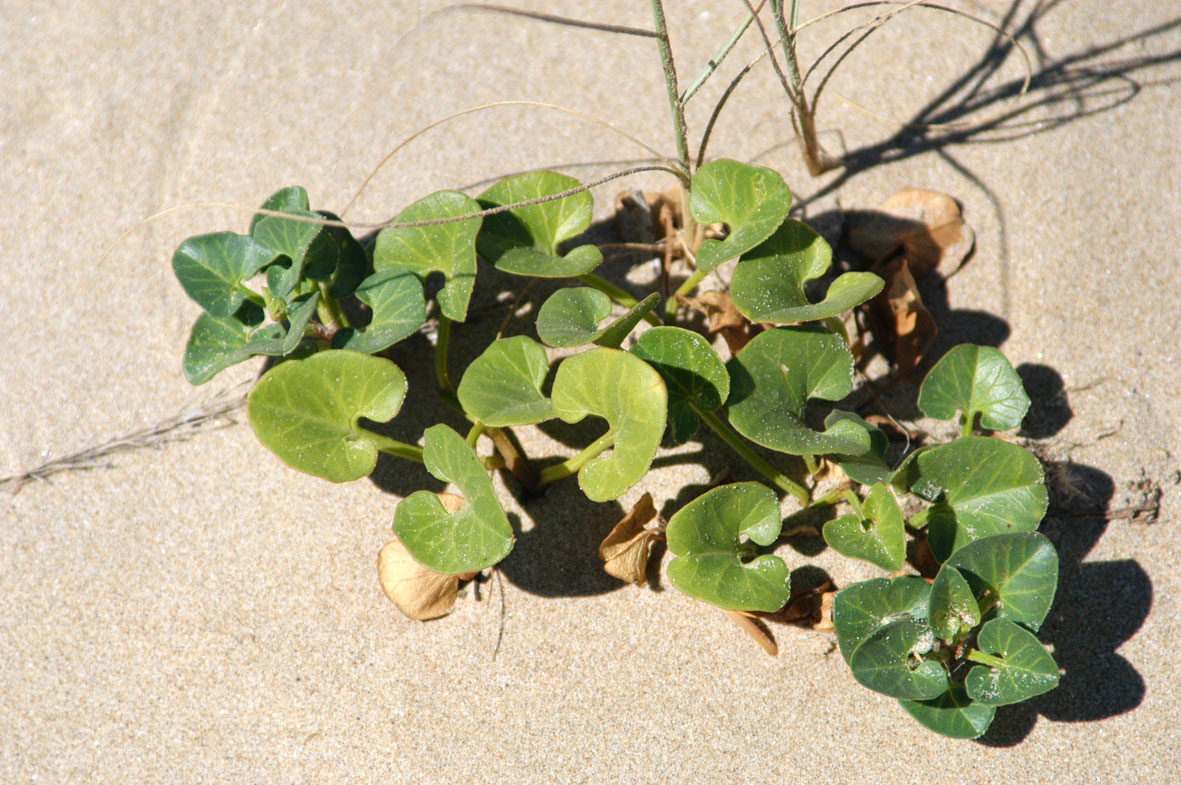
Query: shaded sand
point(198, 614)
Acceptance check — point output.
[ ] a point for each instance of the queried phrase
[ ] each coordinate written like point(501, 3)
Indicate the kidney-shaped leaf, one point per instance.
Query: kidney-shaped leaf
point(292, 199)
point(213, 269)
point(570, 317)
point(418, 592)
point(989, 487)
point(953, 610)
point(768, 283)
point(876, 534)
point(952, 714)
point(475, 537)
point(714, 539)
point(771, 381)
point(890, 662)
point(306, 411)
point(626, 392)
point(448, 248)
point(975, 380)
point(1017, 572)
point(870, 467)
point(863, 608)
point(524, 240)
point(692, 372)
point(751, 200)
point(1025, 668)
point(503, 385)
point(396, 300)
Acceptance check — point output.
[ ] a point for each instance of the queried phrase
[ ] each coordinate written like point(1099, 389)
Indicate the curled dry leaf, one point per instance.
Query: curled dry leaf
point(418, 593)
point(754, 630)
point(926, 227)
point(901, 308)
point(723, 318)
point(626, 549)
point(810, 608)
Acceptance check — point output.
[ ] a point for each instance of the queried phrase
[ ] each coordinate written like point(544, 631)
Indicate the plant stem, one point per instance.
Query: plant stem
point(328, 309)
point(717, 59)
point(810, 463)
point(670, 83)
point(254, 297)
point(473, 435)
point(777, 478)
point(803, 117)
point(572, 465)
point(515, 459)
point(442, 339)
point(616, 294)
point(966, 428)
point(672, 304)
point(984, 659)
point(919, 519)
point(411, 452)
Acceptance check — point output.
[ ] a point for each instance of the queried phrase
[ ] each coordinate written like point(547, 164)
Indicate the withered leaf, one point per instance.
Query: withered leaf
point(417, 592)
point(926, 227)
point(754, 630)
point(626, 549)
point(723, 318)
point(901, 308)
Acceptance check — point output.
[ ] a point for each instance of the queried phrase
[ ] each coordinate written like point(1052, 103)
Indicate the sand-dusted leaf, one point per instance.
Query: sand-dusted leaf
point(909, 325)
point(1017, 574)
point(1022, 668)
point(952, 714)
point(396, 299)
point(771, 381)
point(626, 392)
point(418, 593)
point(692, 372)
point(476, 536)
point(307, 411)
point(989, 487)
point(626, 549)
point(890, 661)
point(953, 609)
point(503, 385)
point(875, 533)
point(768, 283)
point(925, 227)
point(975, 380)
point(448, 248)
point(293, 199)
point(907, 478)
point(870, 467)
point(570, 317)
point(525, 240)
point(714, 538)
point(863, 608)
point(751, 200)
point(213, 269)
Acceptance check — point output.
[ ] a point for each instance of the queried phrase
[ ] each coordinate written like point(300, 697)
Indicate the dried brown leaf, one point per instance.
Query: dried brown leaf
point(418, 592)
point(626, 549)
point(723, 318)
point(901, 308)
point(925, 226)
point(824, 623)
point(754, 630)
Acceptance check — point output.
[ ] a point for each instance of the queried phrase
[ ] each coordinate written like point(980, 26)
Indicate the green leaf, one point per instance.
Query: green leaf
point(714, 539)
point(299, 313)
point(750, 200)
point(293, 199)
point(477, 536)
point(217, 342)
point(306, 411)
point(989, 487)
point(344, 261)
point(1017, 572)
point(877, 536)
point(975, 380)
point(1025, 668)
point(570, 317)
point(952, 714)
point(870, 467)
point(692, 372)
point(503, 385)
point(398, 310)
point(524, 240)
point(630, 395)
point(213, 268)
point(768, 283)
point(771, 381)
point(863, 608)
point(890, 662)
point(284, 239)
point(907, 478)
point(448, 248)
point(953, 609)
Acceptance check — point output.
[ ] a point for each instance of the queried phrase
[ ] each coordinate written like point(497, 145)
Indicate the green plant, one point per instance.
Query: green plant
point(950, 650)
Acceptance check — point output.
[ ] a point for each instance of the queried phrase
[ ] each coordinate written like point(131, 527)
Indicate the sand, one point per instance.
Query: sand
point(198, 613)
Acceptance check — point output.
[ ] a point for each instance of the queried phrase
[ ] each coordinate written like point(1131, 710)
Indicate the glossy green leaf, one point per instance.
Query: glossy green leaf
point(477, 536)
point(631, 397)
point(953, 610)
point(399, 309)
point(876, 535)
point(863, 608)
point(870, 467)
point(907, 478)
point(307, 411)
point(299, 313)
point(343, 262)
point(714, 538)
point(570, 317)
point(448, 248)
point(890, 661)
point(952, 714)
point(1016, 572)
point(751, 200)
point(771, 381)
point(217, 342)
point(1025, 668)
point(768, 283)
point(525, 240)
point(989, 487)
point(293, 199)
point(213, 269)
point(503, 385)
point(692, 372)
point(289, 245)
point(975, 380)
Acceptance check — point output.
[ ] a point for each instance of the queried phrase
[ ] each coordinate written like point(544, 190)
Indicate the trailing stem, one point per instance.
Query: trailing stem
point(572, 465)
point(777, 478)
point(803, 118)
